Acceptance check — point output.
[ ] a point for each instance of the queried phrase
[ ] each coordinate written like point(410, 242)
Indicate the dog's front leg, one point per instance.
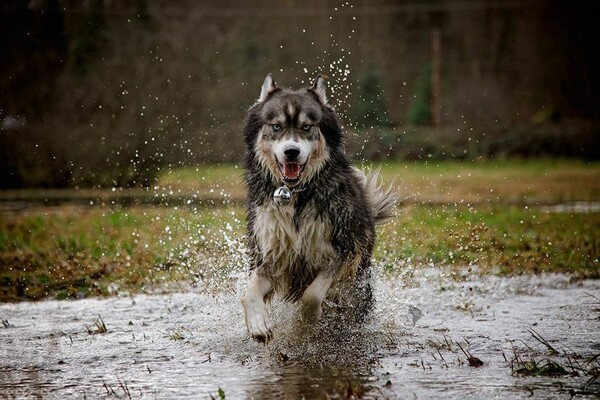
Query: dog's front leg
point(255, 310)
point(315, 293)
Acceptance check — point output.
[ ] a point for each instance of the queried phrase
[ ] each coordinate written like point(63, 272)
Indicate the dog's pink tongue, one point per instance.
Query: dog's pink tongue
point(291, 170)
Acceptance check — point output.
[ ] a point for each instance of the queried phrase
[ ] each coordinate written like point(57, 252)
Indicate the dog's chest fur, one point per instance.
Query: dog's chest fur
point(292, 244)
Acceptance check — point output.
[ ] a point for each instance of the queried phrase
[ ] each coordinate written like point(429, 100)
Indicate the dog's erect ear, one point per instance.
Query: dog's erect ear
point(319, 89)
point(267, 87)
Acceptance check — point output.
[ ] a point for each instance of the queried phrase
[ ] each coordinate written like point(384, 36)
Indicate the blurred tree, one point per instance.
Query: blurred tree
point(371, 111)
point(104, 92)
point(420, 110)
point(91, 37)
point(33, 50)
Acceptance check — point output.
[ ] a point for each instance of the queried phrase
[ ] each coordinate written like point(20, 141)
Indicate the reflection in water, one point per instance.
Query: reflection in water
point(298, 381)
point(332, 358)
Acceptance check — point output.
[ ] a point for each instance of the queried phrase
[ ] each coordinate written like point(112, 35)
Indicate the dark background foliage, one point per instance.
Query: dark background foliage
point(101, 92)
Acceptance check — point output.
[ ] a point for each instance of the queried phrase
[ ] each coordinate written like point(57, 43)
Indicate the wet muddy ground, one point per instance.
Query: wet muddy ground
point(425, 332)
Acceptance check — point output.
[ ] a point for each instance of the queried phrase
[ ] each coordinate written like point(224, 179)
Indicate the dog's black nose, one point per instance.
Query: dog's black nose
point(291, 153)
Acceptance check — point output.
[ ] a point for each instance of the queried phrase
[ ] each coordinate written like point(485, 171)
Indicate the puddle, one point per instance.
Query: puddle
point(188, 345)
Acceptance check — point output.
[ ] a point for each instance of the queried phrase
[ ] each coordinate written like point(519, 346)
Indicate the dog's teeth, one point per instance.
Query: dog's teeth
point(291, 170)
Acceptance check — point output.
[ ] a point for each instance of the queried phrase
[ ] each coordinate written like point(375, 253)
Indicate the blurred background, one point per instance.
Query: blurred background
point(101, 93)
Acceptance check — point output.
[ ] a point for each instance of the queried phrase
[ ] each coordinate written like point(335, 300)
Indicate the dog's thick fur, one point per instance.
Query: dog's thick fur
point(322, 239)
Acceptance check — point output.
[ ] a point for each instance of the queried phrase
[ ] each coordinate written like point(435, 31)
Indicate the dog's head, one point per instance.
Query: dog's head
point(291, 134)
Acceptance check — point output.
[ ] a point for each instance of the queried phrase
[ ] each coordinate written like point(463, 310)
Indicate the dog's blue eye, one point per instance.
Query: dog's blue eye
point(276, 127)
point(306, 127)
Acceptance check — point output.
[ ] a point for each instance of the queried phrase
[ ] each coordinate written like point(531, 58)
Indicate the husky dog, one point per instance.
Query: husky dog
point(322, 237)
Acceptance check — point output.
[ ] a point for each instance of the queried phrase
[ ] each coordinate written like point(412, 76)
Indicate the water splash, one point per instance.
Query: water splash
point(190, 344)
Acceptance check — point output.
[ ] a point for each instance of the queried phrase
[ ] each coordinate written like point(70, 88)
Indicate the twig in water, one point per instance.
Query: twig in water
point(442, 357)
point(591, 381)
point(447, 344)
point(473, 361)
point(109, 389)
point(591, 295)
point(125, 388)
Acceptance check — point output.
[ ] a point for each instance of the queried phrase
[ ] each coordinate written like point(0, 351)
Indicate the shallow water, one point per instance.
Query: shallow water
point(190, 344)
point(583, 207)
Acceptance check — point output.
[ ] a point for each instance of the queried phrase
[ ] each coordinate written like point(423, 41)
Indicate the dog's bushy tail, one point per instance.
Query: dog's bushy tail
point(383, 200)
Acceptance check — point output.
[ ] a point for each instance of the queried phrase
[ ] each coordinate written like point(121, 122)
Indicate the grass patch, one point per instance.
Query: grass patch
point(209, 181)
point(99, 327)
point(70, 252)
point(555, 363)
point(78, 251)
point(220, 394)
point(503, 181)
point(494, 238)
point(175, 336)
point(543, 368)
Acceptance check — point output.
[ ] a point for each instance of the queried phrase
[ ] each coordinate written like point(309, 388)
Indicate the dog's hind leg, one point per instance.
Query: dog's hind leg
point(312, 299)
point(255, 310)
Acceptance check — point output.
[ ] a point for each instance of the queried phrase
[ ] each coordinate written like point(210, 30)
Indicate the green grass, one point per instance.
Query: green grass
point(505, 181)
point(477, 220)
point(498, 239)
point(207, 181)
point(554, 362)
point(77, 252)
point(512, 181)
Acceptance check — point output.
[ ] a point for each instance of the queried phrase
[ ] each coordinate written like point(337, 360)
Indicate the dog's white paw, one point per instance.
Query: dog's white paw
point(311, 309)
point(259, 324)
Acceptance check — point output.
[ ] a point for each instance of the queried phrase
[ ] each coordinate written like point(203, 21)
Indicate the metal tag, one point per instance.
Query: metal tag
point(282, 196)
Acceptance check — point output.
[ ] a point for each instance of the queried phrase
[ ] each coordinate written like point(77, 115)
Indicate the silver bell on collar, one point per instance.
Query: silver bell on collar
point(282, 196)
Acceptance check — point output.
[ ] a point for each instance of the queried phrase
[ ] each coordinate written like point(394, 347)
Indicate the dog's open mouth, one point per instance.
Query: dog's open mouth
point(291, 171)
